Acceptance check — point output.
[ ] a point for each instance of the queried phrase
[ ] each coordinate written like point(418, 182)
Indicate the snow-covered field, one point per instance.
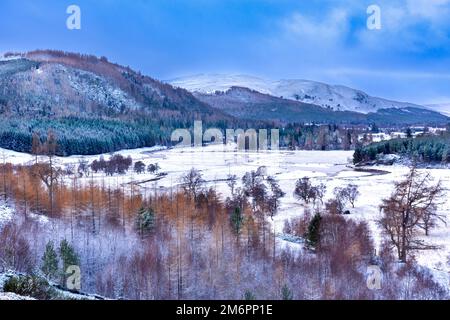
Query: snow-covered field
point(333, 168)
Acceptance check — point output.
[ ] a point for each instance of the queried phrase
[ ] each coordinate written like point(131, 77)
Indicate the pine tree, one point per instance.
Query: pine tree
point(248, 295)
point(313, 233)
point(286, 293)
point(446, 155)
point(68, 255)
point(50, 261)
point(357, 156)
point(237, 220)
point(145, 220)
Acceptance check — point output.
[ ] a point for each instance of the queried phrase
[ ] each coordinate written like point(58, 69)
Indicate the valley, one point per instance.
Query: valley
point(217, 162)
point(94, 178)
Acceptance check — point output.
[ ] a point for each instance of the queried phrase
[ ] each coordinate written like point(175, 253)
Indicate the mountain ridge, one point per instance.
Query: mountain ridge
point(335, 97)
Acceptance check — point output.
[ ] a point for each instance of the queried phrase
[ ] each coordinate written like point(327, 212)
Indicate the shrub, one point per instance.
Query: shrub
point(30, 286)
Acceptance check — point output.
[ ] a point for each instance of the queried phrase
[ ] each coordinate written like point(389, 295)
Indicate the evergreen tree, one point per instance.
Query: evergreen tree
point(409, 133)
point(248, 295)
point(286, 293)
point(357, 156)
point(68, 255)
point(237, 220)
point(50, 261)
point(313, 233)
point(145, 220)
point(446, 155)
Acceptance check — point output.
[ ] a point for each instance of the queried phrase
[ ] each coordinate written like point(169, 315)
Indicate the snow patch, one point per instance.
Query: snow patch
point(6, 214)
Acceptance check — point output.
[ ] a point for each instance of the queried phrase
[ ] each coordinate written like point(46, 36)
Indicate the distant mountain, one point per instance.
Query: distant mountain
point(443, 108)
point(337, 98)
point(250, 104)
point(302, 101)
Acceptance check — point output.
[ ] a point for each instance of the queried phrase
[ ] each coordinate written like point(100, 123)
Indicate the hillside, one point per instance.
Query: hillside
point(245, 103)
point(424, 149)
point(443, 108)
point(91, 104)
point(334, 97)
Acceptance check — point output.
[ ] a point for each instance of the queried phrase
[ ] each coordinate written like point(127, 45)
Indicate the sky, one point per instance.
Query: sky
point(408, 59)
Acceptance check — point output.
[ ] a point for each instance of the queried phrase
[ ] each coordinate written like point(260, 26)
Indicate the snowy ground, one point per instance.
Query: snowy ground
point(330, 167)
point(6, 214)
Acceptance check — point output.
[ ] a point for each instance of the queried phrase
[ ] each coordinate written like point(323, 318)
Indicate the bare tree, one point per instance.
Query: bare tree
point(4, 167)
point(231, 182)
point(403, 212)
point(139, 167)
point(254, 187)
point(260, 197)
point(153, 168)
point(319, 193)
point(338, 204)
point(36, 146)
point(303, 190)
point(430, 218)
point(193, 183)
point(83, 167)
point(47, 172)
point(276, 195)
point(307, 192)
point(335, 206)
point(350, 193)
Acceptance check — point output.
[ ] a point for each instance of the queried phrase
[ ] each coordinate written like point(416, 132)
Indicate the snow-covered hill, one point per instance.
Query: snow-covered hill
point(339, 98)
point(443, 108)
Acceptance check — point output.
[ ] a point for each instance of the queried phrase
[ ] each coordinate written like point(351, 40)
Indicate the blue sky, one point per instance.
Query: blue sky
point(408, 59)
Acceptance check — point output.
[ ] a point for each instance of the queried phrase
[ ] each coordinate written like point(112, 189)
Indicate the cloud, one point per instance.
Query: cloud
point(332, 27)
point(407, 59)
point(400, 74)
point(433, 10)
point(416, 26)
point(407, 25)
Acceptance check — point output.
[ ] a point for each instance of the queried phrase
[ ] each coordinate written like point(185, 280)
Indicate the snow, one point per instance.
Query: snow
point(443, 108)
point(60, 293)
point(332, 168)
point(9, 58)
point(8, 296)
point(336, 97)
point(6, 214)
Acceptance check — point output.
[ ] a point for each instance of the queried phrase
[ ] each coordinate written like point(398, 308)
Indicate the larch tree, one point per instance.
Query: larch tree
point(414, 199)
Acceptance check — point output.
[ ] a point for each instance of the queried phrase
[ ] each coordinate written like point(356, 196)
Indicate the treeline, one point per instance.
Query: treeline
point(319, 137)
point(420, 149)
point(83, 136)
point(88, 136)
